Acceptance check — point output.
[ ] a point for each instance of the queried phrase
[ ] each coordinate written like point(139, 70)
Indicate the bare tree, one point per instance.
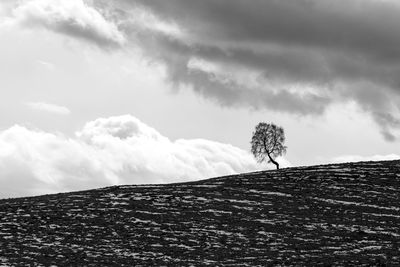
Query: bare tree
point(267, 142)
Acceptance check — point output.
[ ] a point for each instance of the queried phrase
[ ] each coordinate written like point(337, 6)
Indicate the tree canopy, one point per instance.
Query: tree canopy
point(267, 142)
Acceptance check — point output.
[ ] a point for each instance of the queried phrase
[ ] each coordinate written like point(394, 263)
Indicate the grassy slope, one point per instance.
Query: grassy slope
point(333, 214)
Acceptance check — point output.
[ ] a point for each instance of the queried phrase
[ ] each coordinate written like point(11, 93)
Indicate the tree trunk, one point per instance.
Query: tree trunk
point(273, 161)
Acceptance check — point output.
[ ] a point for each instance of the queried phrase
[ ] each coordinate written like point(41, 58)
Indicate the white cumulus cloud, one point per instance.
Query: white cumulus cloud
point(52, 108)
point(109, 151)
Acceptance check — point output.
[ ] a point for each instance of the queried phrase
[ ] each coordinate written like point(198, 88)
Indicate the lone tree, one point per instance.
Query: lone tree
point(267, 142)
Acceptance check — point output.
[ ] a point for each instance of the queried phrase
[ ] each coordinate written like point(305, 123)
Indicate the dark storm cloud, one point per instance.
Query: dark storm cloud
point(364, 26)
point(177, 55)
point(314, 39)
point(349, 50)
point(387, 122)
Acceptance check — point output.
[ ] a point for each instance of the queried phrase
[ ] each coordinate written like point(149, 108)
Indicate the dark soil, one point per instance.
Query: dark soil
point(331, 215)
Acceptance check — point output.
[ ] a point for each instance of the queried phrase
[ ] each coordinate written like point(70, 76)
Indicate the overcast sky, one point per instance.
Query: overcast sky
point(102, 92)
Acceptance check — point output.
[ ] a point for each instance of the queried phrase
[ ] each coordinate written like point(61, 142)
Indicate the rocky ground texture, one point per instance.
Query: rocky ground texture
point(330, 215)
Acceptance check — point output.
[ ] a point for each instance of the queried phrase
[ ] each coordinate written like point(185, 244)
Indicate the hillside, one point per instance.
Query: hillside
point(343, 214)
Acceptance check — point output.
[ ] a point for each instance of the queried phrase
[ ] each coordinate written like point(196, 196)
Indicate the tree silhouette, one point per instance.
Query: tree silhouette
point(267, 142)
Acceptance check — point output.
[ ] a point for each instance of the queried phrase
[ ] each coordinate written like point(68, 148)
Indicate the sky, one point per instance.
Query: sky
point(97, 93)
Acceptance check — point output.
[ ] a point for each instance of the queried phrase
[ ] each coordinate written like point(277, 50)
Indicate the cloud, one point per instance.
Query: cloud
point(356, 158)
point(52, 108)
point(341, 50)
point(295, 56)
point(109, 151)
point(72, 17)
